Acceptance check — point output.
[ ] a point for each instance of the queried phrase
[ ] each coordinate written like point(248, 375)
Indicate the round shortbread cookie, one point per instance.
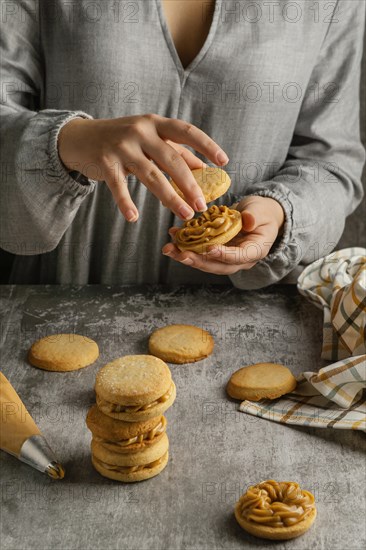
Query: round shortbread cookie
point(121, 436)
point(138, 413)
point(107, 427)
point(129, 477)
point(63, 352)
point(181, 343)
point(213, 181)
point(276, 510)
point(137, 458)
point(261, 381)
point(218, 225)
point(133, 380)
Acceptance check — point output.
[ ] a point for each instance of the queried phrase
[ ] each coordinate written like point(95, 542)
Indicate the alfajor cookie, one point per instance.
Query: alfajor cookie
point(124, 437)
point(276, 510)
point(135, 388)
point(218, 225)
point(181, 343)
point(130, 467)
point(213, 181)
point(261, 381)
point(63, 352)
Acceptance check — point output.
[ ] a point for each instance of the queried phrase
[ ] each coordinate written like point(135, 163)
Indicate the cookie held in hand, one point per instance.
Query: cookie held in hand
point(218, 225)
point(213, 181)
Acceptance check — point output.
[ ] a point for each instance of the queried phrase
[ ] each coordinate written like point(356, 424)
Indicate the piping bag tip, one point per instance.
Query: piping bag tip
point(55, 470)
point(21, 437)
point(36, 452)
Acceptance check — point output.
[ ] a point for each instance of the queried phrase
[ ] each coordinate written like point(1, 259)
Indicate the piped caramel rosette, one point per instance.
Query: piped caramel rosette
point(218, 225)
point(276, 510)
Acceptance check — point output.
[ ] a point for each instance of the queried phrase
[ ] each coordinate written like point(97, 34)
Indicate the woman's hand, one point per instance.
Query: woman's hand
point(262, 219)
point(110, 149)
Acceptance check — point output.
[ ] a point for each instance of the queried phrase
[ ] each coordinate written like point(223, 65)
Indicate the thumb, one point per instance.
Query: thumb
point(252, 213)
point(249, 220)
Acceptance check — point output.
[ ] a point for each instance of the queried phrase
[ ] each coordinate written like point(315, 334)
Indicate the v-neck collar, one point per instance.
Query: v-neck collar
point(184, 72)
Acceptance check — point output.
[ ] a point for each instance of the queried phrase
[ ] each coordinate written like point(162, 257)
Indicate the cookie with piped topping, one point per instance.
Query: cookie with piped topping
point(130, 467)
point(124, 437)
point(135, 388)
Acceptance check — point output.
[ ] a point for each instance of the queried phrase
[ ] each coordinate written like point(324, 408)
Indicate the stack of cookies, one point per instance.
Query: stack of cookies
point(129, 430)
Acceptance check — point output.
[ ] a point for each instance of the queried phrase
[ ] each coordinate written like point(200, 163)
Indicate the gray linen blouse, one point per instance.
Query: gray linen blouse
point(276, 85)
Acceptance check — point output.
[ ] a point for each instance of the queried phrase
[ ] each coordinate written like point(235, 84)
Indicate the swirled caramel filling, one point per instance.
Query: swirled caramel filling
point(276, 504)
point(216, 221)
point(129, 469)
point(114, 407)
point(159, 429)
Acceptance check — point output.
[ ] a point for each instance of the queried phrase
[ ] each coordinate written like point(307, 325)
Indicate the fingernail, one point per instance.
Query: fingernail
point(222, 157)
point(200, 205)
point(213, 252)
point(167, 253)
point(187, 261)
point(185, 213)
point(131, 216)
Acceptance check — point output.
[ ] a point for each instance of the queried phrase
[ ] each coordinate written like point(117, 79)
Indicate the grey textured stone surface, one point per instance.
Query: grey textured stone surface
point(216, 451)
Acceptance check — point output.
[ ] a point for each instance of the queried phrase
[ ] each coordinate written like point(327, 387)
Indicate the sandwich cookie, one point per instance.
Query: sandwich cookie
point(261, 381)
point(276, 510)
point(130, 467)
point(213, 181)
point(135, 388)
point(124, 437)
point(181, 343)
point(218, 225)
point(63, 352)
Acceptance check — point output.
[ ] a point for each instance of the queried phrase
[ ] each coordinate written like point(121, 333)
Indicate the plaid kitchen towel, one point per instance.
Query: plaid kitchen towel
point(334, 397)
point(331, 398)
point(337, 283)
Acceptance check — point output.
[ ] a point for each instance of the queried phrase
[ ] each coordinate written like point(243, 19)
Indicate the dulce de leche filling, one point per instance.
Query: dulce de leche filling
point(129, 469)
point(115, 408)
point(159, 429)
point(276, 504)
point(216, 221)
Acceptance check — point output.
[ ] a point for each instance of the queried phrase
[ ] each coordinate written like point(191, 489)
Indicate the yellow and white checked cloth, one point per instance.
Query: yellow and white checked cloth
point(337, 283)
point(334, 397)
